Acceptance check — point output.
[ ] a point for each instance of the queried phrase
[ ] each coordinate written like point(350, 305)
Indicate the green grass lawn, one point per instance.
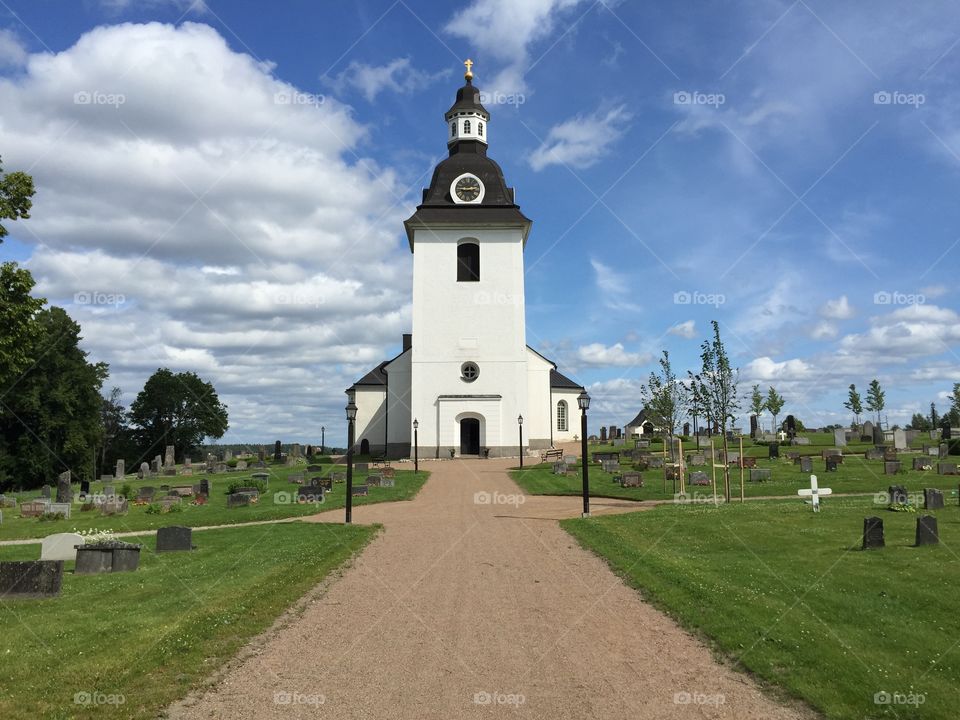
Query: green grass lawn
point(153, 635)
point(215, 512)
point(788, 595)
point(855, 475)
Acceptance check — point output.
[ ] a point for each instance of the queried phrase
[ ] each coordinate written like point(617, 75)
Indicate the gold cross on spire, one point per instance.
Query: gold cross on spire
point(468, 75)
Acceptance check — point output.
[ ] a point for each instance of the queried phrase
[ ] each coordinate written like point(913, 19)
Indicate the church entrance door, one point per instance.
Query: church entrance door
point(469, 436)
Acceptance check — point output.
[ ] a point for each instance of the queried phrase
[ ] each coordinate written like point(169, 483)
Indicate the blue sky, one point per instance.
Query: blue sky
point(788, 169)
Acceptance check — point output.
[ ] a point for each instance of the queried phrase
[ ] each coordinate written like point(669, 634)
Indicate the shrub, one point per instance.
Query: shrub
point(322, 460)
point(127, 491)
point(260, 485)
point(52, 516)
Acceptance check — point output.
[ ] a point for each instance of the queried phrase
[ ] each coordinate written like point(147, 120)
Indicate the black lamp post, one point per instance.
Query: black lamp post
point(520, 425)
point(351, 416)
point(323, 439)
point(583, 400)
point(416, 448)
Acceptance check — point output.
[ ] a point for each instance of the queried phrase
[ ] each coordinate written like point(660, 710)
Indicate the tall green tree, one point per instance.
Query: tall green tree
point(854, 404)
point(178, 409)
point(718, 389)
point(876, 398)
point(933, 416)
point(18, 312)
point(50, 422)
point(775, 403)
point(920, 422)
point(757, 403)
point(665, 397)
point(16, 189)
point(113, 421)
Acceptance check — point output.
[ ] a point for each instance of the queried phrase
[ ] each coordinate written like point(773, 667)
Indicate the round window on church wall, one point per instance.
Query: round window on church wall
point(469, 371)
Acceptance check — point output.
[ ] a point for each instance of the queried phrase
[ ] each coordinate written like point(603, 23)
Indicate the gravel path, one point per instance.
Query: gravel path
point(457, 603)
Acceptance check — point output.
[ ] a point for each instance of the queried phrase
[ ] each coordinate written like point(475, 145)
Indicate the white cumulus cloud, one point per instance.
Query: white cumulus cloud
point(582, 140)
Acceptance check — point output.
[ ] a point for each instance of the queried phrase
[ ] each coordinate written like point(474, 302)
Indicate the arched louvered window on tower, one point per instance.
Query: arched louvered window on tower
point(466, 127)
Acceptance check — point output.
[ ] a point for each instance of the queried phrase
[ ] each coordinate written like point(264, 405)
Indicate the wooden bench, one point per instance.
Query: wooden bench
point(551, 454)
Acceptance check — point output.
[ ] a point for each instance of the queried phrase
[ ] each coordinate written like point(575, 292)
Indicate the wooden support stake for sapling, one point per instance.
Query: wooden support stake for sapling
point(713, 471)
point(741, 468)
point(683, 487)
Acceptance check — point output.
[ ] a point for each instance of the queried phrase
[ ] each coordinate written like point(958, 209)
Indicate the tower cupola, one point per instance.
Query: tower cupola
point(467, 119)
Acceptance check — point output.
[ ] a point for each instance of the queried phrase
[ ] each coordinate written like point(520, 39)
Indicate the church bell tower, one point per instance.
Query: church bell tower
point(468, 381)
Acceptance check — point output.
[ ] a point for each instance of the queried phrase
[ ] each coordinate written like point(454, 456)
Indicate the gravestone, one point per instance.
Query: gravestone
point(696, 459)
point(922, 463)
point(168, 457)
point(46, 491)
point(570, 459)
point(748, 462)
point(115, 507)
point(890, 455)
point(294, 477)
point(314, 468)
point(295, 450)
point(686, 429)
point(241, 465)
point(814, 493)
point(831, 464)
point(760, 474)
point(631, 479)
point(155, 465)
point(699, 477)
point(878, 438)
point(927, 533)
point(61, 546)
point(872, 533)
point(120, 471)
point(891, 468)
point(113, 556)
point(262, 454)
point(754, 426)
point(897, 495)
point(277, 451)
point(204, 487)
point(791, 426)
point(944, 449)
point(603, 435)
point(559, 468)
point(618, 442)
point(144, 472)
point(930, 449)
point(146, 493)
point(840, 437)
point(34, 508)
point(612, 433)
point(932, 499)
point(867, 431)
point(945, 430)
point(84, 489)
point(773, 451)
point(31, 579)
point(64, 493)
point(656, 461)
point(806, 464)
point(310, 494)
point(175, 538)
point(361, 467)
point(374, 479)
point(61, 508)
point(360, 490)
point(227, 455)
point(875, 454)
point(800, 441)
point(238, 500)
point(947, 468)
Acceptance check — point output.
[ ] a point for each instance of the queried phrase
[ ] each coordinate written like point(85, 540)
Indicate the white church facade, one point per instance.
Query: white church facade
point(466, 373)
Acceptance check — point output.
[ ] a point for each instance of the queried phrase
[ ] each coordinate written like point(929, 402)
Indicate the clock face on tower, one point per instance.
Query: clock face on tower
point(467, 189)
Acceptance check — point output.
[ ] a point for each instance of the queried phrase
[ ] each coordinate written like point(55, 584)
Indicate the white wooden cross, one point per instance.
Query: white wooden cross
point(783, 436)
point(814, 493)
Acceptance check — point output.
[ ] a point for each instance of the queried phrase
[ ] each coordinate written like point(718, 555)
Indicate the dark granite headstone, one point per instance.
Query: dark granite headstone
point(699, 477)
point(773, 451)
point(111, 556)
point(872, 533)
point(919, 463)
point(46, 491)
point(174, 539)
point(31, 579)
point(891, 468)
point(791, 426)
point(754, 425)
point(806, 464)
point(631, 479)
point(947, 468)
point(927, 533)
point(748, 462)
point(84, 487)
point(204, 487)
point(760, 474)
point(897, 495)
point(360, 490)
point(831, 464)
point(238, 500)
point(877, 436)
point(932, 499)
point(278, 451)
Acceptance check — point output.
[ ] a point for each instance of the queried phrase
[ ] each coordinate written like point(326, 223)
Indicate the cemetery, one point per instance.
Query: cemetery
point(141, 504)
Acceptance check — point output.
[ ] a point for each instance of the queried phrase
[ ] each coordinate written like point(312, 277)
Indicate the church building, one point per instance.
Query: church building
point(466, 374)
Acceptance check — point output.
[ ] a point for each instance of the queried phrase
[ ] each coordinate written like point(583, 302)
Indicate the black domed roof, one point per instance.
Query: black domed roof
point(468, 100)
